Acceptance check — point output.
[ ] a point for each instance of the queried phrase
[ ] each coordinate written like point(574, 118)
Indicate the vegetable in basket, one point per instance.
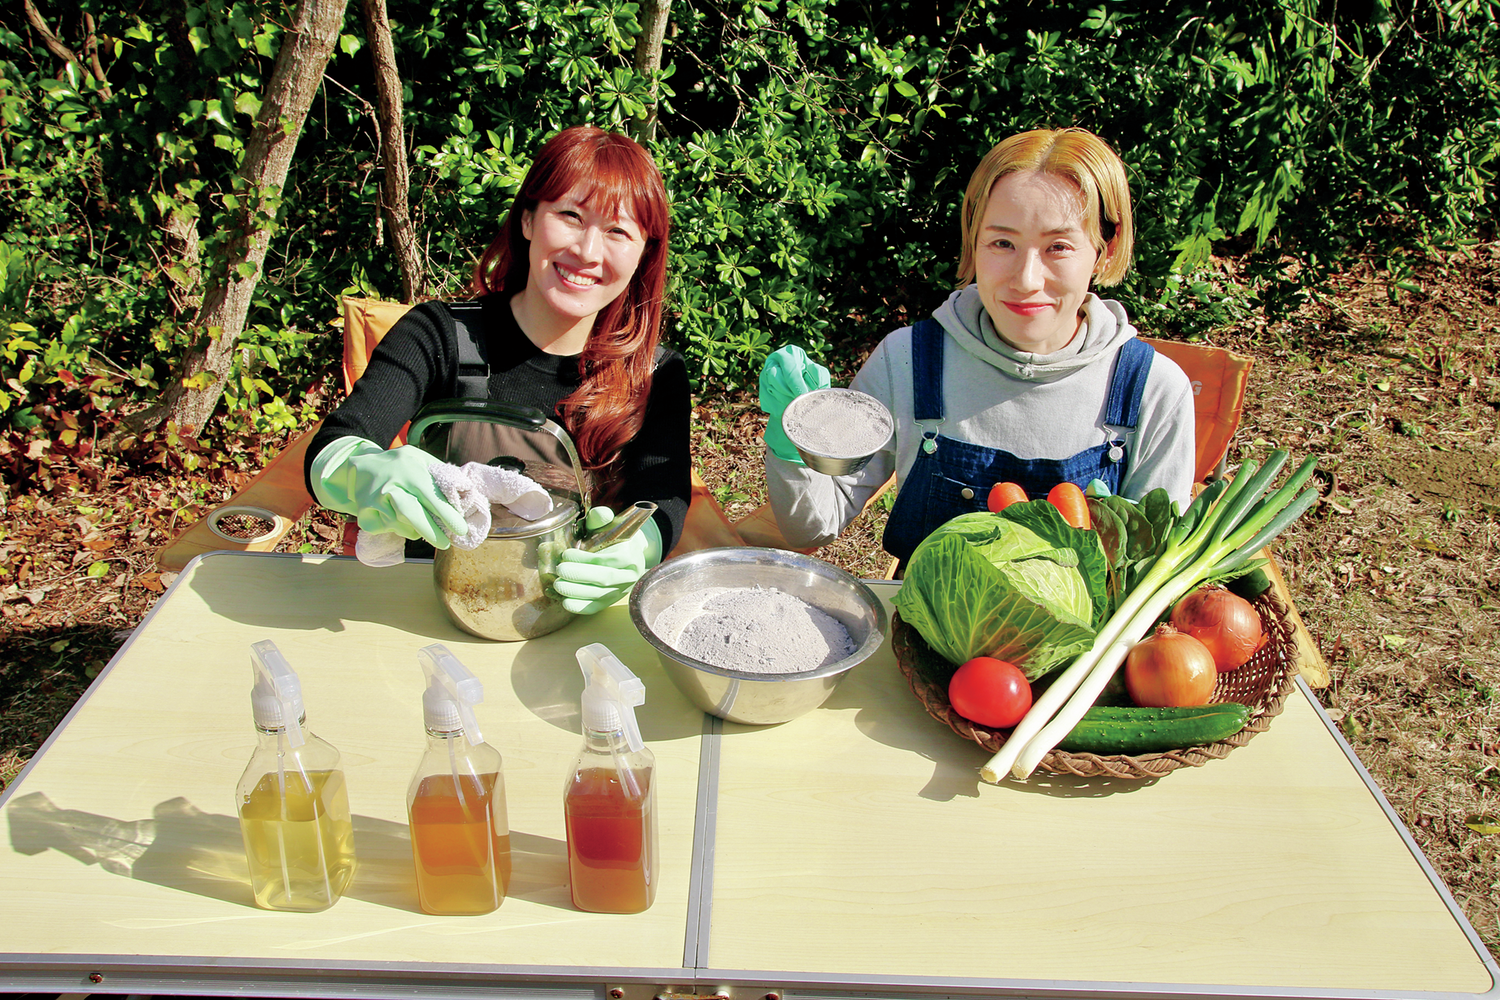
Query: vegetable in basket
point(1215, 538)
point(1021, 586)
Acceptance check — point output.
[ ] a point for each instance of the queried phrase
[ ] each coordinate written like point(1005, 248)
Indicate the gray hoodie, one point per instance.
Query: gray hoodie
point(1031, 405)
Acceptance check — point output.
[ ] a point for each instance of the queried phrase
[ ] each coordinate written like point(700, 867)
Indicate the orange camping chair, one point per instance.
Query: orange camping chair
point(259, 516)
point(1219, 378)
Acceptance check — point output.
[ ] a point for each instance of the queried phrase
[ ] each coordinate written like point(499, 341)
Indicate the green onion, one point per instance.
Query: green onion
point(1221, 529)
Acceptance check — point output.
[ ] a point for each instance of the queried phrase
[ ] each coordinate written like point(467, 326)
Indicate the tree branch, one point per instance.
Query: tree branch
point(52, 42)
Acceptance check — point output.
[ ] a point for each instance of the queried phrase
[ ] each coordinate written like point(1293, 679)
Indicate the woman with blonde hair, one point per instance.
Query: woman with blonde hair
point(1023, 375)
point(570, 302)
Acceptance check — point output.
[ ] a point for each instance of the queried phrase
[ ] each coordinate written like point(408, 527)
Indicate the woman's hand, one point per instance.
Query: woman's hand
point(589, 582)
point(388, 490)
point(787, 374)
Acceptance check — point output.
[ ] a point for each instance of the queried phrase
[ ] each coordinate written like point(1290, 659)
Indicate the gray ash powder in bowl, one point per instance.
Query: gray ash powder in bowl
point(838, 423)
point(754, 630)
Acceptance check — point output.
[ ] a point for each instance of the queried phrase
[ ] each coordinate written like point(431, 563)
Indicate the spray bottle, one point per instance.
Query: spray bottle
point(292, 801)
point(609, 801)
point(460, 836)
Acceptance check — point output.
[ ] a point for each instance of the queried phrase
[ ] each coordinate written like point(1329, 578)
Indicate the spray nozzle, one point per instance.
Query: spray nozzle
point(610, 694)
point(452, 692)
point(276, 698)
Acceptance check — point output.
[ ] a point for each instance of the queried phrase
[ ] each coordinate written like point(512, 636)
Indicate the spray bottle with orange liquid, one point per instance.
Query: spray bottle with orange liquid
point(460, 836)
point(609, 801)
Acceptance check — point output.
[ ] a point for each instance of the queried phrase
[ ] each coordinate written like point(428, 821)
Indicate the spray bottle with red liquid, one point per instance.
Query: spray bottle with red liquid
point(460, 835)
point(609, 801)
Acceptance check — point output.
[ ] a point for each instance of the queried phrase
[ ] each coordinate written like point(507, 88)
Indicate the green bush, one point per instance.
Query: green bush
point(815, 153)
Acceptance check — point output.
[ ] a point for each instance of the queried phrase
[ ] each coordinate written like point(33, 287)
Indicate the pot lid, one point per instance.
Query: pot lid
point(458, 431)
point(504, 524)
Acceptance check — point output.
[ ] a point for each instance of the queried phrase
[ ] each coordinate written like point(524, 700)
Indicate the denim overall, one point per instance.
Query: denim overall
point(952, 477)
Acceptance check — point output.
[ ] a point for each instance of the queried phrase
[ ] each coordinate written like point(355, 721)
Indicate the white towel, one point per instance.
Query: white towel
point(471, 488)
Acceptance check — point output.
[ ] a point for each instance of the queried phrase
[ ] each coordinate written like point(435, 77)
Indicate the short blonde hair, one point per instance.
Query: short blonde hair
point(1081, 157)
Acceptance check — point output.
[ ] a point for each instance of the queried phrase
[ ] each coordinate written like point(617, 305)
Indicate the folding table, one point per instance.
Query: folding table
point(852, 852)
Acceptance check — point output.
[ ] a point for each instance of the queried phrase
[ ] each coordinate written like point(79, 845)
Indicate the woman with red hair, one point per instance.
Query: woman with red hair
point(570, 298)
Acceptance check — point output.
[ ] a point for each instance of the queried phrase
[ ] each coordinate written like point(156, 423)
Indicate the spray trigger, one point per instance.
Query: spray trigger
point(610, 694)
point(452, 692)
point(276, 697)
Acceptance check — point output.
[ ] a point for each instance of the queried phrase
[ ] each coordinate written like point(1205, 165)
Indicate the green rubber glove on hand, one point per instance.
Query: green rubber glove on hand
point(589, 582)
point(787, 374)
point(388, 490)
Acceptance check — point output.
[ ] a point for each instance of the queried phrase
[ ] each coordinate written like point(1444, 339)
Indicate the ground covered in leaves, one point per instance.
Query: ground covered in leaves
point(1396, 572)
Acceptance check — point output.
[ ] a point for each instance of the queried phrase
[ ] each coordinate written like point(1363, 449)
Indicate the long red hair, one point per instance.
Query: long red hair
point(609, 406)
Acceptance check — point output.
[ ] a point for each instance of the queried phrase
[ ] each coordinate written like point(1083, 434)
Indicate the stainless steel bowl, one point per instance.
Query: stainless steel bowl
point(758, 698)
point(824, 441)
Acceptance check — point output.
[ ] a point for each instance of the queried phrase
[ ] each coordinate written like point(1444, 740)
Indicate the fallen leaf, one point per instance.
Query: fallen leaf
point(1483, 823)
point(150, 581)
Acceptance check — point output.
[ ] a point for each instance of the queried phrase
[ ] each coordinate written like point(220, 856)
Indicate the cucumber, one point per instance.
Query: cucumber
point(1131, 730)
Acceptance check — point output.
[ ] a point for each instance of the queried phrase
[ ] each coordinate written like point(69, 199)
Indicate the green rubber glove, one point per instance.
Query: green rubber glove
point(1097, 488)
point(388, 490)
point(787, 374)
point(589, 582)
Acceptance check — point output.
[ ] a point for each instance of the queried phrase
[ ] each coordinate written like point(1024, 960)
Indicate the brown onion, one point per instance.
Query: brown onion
point(1169, 669)
point(1226, 623)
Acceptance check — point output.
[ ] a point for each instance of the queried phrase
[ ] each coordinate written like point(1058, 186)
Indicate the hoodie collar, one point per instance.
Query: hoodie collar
point(1105, 326)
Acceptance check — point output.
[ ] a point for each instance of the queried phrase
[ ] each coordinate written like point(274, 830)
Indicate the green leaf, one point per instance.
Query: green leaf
point(247, 104)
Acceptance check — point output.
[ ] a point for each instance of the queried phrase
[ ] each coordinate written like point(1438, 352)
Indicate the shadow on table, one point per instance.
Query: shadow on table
point(545, 677)
point(399, 596)
point(181, 847)
point(889, 713)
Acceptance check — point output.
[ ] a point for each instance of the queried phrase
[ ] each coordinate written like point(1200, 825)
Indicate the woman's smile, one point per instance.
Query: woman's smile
point(574, 277)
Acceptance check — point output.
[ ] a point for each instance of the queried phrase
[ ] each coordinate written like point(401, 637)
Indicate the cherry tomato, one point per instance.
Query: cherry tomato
point(990, 692)
point(1002, 495)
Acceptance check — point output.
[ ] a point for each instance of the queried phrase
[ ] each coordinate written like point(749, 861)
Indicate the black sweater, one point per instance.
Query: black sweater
point(417, 362)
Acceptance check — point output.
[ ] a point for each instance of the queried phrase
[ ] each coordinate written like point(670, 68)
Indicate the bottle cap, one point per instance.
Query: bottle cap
point(276, 697)
point(452, 692)
point(610, 694)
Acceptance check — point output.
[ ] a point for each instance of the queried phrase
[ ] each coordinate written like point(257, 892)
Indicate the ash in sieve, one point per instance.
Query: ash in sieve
point(838, 423)
point(753, 629)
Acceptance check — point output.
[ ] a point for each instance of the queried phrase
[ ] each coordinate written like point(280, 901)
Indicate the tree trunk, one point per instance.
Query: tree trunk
point(306, 47)
point(395, 179)
point(181, 266)
point(648, 61)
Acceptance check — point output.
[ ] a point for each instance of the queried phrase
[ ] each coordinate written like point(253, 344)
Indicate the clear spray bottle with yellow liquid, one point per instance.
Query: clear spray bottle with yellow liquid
point(292, 801)
point(460, 835)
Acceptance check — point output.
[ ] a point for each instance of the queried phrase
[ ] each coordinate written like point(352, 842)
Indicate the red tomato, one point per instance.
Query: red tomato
point(990, 692)
point(1002, 495)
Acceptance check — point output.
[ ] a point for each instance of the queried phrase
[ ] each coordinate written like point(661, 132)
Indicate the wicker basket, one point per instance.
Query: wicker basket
point(1262, 685)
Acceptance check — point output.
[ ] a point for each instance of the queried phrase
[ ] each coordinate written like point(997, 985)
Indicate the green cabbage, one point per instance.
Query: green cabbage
point(1022, 586)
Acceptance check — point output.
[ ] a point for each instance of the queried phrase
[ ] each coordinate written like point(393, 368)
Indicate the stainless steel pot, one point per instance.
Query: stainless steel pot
point(502, 590)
